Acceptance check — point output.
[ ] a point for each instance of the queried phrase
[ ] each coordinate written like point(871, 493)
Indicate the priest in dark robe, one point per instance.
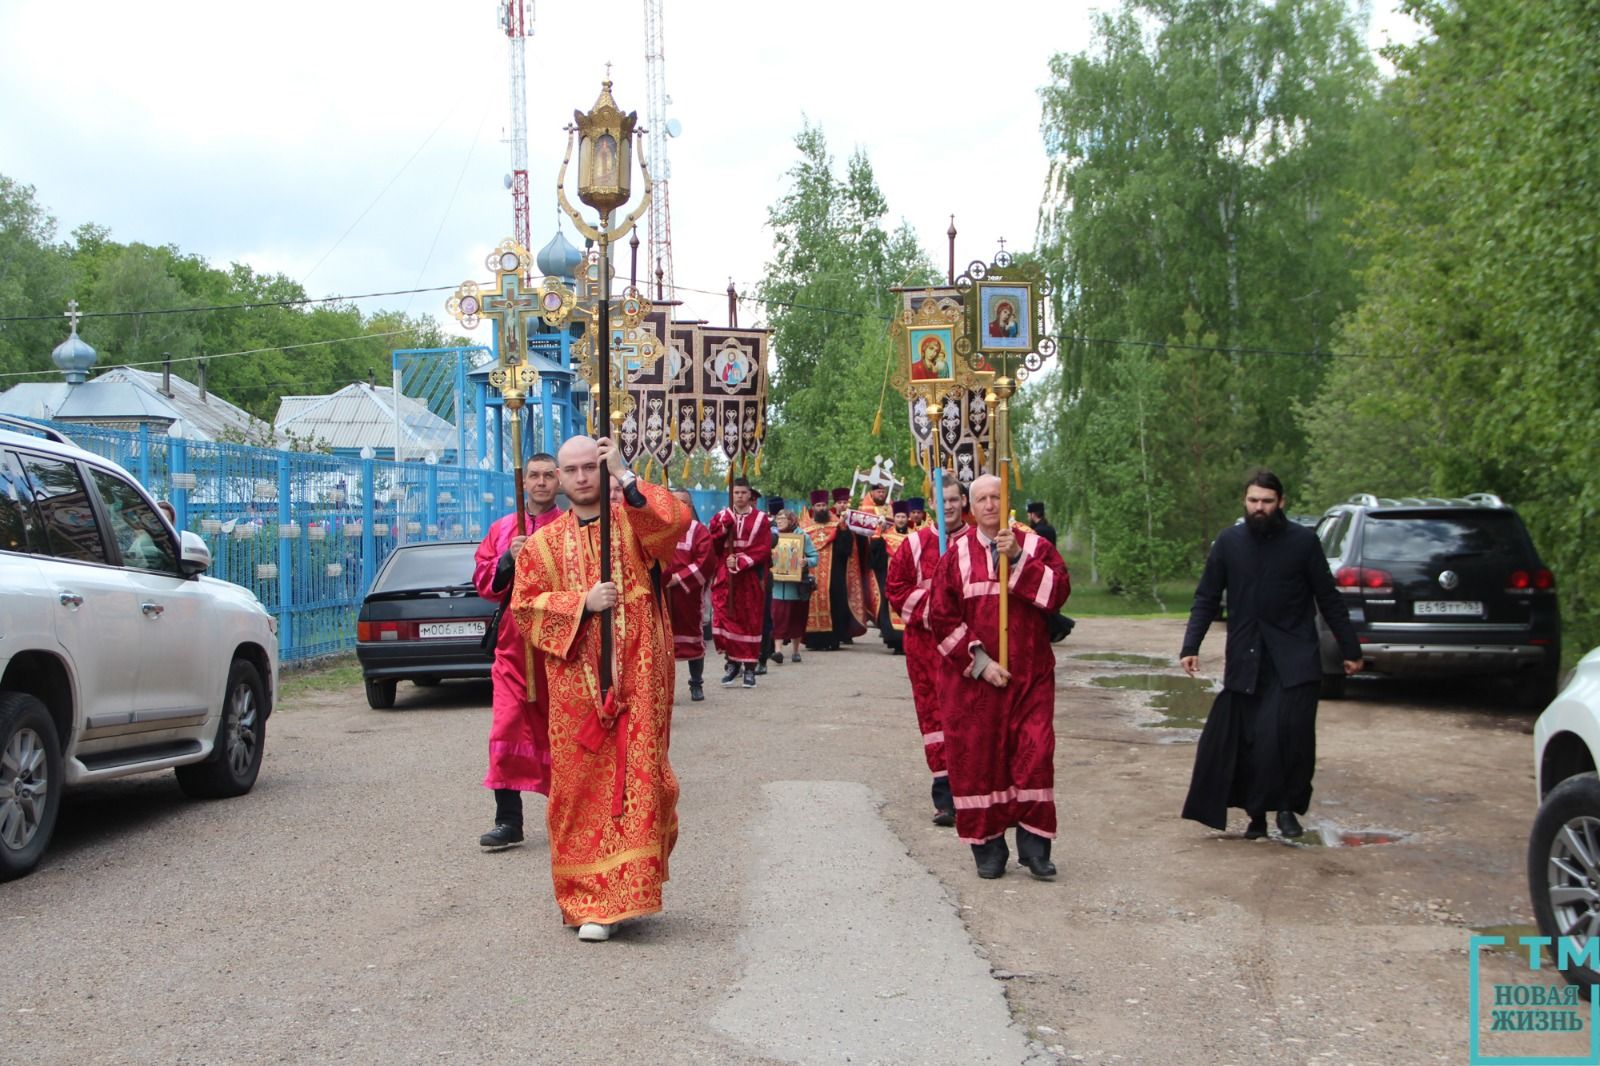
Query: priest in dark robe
point(999, 720)
point(1258, 749)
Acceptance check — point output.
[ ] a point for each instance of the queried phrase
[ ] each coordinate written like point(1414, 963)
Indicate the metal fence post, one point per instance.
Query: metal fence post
point(285, 561)
point(179, 462)
point(430, 505)
point(369, 548)
point(144, 454)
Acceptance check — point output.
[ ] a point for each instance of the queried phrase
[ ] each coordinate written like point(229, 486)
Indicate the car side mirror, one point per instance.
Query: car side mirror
point(194, 557)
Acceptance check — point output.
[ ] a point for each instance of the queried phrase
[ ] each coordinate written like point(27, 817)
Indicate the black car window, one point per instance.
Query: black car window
point(427, 566)
point(17, 519)
point(140, 534)
point(1334, 533)
point(1432, 536)
point(71, 530)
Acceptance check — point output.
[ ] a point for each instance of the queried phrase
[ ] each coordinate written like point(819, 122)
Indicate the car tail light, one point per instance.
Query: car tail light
point(1544, 581)
point(373, 632)
point(1364, 580)
point(1519, 581)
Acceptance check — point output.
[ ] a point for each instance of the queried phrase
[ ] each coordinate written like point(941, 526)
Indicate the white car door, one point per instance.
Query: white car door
point(180, 678)
point(96, 612)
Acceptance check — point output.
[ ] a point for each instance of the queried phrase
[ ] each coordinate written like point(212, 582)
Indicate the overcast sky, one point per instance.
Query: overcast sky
point(359, 147)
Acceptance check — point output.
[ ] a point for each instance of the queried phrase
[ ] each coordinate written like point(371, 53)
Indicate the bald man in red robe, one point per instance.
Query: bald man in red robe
point(999, 721)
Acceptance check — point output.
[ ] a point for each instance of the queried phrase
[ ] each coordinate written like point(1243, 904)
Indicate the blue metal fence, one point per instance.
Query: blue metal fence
point(306, 532)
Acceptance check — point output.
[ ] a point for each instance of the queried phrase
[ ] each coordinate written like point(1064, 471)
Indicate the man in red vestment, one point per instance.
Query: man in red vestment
point(743, 539)
point(691, 569)
point(999, 729)
point(519, 750)
point(911, 573)
point(612, 815)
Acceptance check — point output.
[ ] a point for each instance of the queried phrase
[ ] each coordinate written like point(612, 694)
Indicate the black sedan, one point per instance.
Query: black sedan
point(423, 621)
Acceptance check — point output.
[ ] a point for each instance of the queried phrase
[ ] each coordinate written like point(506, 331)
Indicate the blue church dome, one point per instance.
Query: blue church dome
point(559, 257)
point(75, 357)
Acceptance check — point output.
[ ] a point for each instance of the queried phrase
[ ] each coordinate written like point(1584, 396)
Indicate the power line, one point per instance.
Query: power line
point(251, 306)
point(228, 355)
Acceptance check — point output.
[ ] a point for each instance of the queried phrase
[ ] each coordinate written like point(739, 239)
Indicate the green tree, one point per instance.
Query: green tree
point(1478, 342)
point(1206, 156)
point(33, 281)
point(828, 304)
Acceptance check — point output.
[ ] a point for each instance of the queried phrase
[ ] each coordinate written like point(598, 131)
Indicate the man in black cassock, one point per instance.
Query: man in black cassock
point(1259, 746)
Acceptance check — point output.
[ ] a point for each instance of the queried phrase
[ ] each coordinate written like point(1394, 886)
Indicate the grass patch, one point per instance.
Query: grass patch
point(1095, 599)
point(324, 675)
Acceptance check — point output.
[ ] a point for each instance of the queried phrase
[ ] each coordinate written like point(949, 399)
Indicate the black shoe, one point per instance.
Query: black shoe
point(750, 673)
point(796, 658)
point(992, 858)
point(502, 836)
point(696, 692)
point(1257, 827)
point(777, 657)
point(944, 818)
point(731, 675)
point(1289, 825)
point(761, 669)
point(1039, 866)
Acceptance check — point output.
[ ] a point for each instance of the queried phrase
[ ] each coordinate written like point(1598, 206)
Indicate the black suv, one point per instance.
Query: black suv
point(1440, 588)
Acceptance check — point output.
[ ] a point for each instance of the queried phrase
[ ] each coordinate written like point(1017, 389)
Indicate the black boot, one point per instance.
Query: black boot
point(1289, 825)
point(730, 675)
point(750, 676)
point(697, 672)
point(944, 807)
point(1257, 827)
point(992, 857)
point(1033, 851)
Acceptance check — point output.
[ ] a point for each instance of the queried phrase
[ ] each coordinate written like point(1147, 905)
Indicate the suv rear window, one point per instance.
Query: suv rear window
point(428, 566)
point(1423, 536)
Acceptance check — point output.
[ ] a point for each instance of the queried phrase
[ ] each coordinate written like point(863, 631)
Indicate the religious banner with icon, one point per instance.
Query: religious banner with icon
point(789, 557)
point(950, 425)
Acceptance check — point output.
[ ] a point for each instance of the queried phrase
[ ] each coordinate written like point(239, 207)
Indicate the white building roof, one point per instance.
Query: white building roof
point(123, 396)
point(362, 415)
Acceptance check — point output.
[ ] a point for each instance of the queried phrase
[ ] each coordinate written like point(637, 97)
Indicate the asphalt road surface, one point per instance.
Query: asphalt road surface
point(343, 912)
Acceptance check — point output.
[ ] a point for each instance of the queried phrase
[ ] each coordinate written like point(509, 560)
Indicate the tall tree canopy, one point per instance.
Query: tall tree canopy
point(828, 303)
point(1479, 330)
point(1205, 159)
point(333, 343)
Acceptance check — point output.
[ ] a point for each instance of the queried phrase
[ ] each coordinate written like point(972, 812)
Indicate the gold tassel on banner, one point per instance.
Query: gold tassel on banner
point(927, 485)
point(877, 423)
point(688, 462)
point(758, 472)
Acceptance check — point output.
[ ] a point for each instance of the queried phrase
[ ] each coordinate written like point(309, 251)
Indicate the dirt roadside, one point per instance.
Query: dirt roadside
point(1164, 942)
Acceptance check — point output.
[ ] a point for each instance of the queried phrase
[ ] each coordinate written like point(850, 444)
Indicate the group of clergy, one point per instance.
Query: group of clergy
point(596, 741)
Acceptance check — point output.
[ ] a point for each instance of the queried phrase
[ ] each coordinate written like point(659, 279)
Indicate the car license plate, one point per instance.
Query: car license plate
point(434, 630)
point(1463, 607)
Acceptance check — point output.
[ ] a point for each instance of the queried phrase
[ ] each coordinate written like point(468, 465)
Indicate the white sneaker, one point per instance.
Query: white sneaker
point(594, 931)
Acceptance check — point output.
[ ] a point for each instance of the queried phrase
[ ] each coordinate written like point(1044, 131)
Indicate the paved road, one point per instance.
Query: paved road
point(342, 912)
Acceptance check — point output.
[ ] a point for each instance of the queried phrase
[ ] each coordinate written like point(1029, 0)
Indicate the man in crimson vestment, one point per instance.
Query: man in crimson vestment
point(911, 573)
point(612, 815)
point(519, 750)
point(999, 729)
point(691, 569)
point(743, 538)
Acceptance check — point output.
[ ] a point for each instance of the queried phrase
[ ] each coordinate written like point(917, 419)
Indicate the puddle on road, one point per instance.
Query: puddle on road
point(1183, 701)
point(1333, 836)
point(1512, 934)
point(1124, 658)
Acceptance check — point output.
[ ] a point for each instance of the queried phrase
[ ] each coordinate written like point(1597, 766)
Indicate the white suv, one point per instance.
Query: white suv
point(1564, 847)
point(117, 656)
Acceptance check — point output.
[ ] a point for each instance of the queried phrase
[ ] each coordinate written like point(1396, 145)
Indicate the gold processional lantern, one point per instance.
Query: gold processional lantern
point(605, 153)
